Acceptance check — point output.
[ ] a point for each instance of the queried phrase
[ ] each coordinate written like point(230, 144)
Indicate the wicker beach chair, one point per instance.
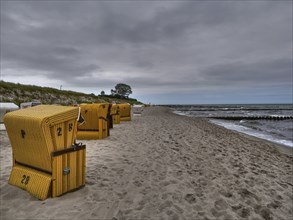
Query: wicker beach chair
point(125, 112)
point(46, 160)
point(95, 124)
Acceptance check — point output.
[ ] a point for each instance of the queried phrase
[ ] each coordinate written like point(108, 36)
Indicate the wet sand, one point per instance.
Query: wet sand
point(165, 166)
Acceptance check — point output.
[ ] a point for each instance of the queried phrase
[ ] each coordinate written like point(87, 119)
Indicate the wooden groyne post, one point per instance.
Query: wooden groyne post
point(277, 118)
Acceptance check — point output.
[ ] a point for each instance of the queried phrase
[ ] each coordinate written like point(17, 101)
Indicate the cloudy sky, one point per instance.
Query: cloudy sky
point(169, 52)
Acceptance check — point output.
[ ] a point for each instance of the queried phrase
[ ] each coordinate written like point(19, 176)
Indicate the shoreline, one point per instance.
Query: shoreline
point(284, 147)
point(280, 147)
point(266, 136)
point(164, 166)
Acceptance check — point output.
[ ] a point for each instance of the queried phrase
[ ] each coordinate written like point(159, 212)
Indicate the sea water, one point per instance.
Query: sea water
point(278, 131)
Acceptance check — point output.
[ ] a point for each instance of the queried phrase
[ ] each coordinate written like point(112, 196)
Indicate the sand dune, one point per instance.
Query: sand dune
point(164, 166)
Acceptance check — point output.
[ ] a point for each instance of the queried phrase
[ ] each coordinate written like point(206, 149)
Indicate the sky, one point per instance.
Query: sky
point(169, 52)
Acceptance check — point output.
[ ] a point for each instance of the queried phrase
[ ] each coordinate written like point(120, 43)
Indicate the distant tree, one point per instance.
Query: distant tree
point(102, 92)
point(122, 90)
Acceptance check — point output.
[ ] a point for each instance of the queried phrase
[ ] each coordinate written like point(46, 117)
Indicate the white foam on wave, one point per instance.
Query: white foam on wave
point(180, 113)
point(249, 131)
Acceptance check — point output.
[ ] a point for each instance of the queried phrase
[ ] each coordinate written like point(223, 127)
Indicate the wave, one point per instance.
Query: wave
point(253, 132)
point(269, 122)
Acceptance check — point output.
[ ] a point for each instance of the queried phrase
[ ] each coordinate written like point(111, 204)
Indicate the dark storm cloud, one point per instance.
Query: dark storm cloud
point(153, 45)
point(274, 71)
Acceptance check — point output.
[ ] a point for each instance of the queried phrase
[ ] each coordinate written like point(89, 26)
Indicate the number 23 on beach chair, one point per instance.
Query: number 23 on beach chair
point(46, 160)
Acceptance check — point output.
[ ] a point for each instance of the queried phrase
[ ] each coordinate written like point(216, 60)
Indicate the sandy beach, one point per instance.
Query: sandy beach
point(165, 166)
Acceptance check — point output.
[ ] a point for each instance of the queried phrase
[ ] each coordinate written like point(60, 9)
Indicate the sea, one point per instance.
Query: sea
point(272, 122)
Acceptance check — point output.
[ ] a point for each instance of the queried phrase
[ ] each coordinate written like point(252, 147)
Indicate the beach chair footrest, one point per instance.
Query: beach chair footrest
point(35, 182)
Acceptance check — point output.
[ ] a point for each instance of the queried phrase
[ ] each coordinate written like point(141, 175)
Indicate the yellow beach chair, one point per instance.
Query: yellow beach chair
point(125, 112)
point(95, 125)
point(114, 112)
point(46, 160)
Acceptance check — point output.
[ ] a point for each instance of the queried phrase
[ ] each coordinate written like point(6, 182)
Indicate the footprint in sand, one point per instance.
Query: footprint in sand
point(244, 212)
point(264, 212)
point(165, 205)
point(226, 193)
point(241, 210)
point(190, 198)
point(138, 183)
point(221, 204)
point(275, 204)
point(246, 194)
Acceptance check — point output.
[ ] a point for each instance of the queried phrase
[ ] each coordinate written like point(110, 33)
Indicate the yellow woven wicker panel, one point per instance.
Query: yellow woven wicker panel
point(102, 129)
point(125, 119)
point(70, 127)
point(65, 163)
point(35, 182)
point(81, 167)
point(125, 112)
point(76, 162)
point(58, 136)
point(90, 117)
point(29, 131)
point(73, 164)
point(105, 129)
point(87, 135)
point(102, 109)
point(93, 135)
point(96, 124)
point(103, 123)
point(57, 176)
point(116, 119)
point(114, 109)
point(95, 116)
point(28, 143)
point(68, 172)
point(63, 134)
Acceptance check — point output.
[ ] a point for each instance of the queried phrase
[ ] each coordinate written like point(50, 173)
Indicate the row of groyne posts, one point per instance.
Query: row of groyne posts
point(235, 117)
point(270, 117)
